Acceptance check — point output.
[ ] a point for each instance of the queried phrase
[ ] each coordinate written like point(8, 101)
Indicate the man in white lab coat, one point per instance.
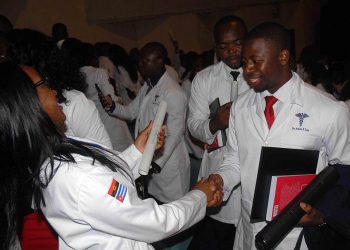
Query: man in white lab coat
point(304, 118)
point(173, 180)
point(214, 82)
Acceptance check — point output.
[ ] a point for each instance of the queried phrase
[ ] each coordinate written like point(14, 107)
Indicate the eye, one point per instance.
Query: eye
point(222, 46)
point(238, 43)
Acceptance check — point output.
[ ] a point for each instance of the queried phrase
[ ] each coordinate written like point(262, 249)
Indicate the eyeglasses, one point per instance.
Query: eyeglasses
point(41, 82)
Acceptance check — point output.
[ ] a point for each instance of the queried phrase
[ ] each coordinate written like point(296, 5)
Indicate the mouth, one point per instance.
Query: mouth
point(234, 60)
point(253, 81)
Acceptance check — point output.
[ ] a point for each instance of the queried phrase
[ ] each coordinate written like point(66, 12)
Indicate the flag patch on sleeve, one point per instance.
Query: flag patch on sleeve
point(117, 190)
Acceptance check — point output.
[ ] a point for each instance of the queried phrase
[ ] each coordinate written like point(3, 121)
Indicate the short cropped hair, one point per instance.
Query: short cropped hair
point(227, 19)
point(272, 32)
point(157, 48)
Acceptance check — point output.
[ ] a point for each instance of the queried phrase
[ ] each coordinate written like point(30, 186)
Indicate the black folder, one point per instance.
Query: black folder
point(279, 161)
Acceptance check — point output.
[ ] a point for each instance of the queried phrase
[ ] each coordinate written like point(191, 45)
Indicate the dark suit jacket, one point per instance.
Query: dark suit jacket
point(335, 205)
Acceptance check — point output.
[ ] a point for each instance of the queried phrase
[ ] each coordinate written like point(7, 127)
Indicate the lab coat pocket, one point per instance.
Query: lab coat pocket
point(301, 141)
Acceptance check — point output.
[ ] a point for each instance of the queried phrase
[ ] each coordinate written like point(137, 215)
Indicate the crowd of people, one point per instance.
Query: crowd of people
point(76, 117)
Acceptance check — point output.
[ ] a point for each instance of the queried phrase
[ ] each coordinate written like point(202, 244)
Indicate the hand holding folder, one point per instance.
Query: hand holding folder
point(279, 227)
point(219, 116)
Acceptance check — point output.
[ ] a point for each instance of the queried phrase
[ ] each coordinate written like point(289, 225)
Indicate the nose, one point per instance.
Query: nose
point(248, 67)
point(233, 49)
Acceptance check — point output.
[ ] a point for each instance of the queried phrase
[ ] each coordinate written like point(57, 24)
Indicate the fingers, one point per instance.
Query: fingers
point(213, 193)
point(306, 207)
point(161, 137)
point(227, 105)
point(217, 181)
point(312, 217)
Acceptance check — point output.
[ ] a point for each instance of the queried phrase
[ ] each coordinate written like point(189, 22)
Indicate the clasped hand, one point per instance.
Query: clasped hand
point(213, 188)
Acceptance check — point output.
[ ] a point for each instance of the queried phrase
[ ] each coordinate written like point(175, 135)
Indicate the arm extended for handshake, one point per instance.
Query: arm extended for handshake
point(213, 188)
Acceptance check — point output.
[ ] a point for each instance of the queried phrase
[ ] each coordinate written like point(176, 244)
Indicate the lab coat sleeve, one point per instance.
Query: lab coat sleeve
point(198, 117)
point(175, 124)
point(132, 156)
point(130, 217)
point(85, 120)
point(337, 136)
point(229, 169)
point(102, 79)
point(130, 111)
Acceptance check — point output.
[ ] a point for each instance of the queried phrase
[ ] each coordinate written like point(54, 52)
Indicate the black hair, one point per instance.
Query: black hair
point(5, 24)
point(158, 48)
point(228, 19)
point(29, 47)
point(28, 138)
point(34, 49)
point(22, 148)
point(63, 72)
point(120, 57)
point(272, 32)
point(59, 31)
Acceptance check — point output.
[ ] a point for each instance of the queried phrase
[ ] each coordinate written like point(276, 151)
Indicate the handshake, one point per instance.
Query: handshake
point(213, 188)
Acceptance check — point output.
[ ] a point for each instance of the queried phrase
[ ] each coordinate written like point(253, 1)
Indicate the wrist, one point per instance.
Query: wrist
point(111, 108)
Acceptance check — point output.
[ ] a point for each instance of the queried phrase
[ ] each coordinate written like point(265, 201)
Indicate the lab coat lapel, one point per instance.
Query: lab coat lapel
point(258, 117)
point(282, 117)
point(142, 110)
point(289, 108)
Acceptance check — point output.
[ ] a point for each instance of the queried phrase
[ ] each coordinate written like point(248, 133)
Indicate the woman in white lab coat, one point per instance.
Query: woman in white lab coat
point(86, 191)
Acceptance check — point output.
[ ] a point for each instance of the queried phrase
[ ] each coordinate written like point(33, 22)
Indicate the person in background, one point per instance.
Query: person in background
point(117, 129)
point(33, 48)
point(174, 178)
point(224, 82)
point(280, 110)
point(59, 34)
point(5, 27)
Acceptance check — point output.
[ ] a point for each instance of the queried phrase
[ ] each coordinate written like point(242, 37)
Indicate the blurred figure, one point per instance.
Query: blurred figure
point(59, 33)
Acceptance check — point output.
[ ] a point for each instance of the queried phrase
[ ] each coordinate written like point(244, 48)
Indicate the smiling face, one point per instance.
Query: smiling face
point(48, 100)
point(228, 43)
point(265, 67)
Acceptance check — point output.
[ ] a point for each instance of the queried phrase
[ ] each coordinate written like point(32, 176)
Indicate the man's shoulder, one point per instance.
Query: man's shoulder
point(211, 71)
point(323, 99)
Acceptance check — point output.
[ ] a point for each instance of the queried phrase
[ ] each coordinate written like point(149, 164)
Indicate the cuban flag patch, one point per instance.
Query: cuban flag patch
point(117, 190)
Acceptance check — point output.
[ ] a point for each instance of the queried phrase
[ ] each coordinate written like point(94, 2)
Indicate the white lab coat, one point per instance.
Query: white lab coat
point(123, 81)
point(83, 119)
point(192, 148)
point(117, 129)
point(326, 128)
point(210, 83)
point(173, 180)
point(85, 215)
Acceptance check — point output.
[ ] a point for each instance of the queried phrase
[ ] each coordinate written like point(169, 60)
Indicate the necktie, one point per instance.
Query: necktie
point(149, 84)
point(234, 86)
point(269, 114)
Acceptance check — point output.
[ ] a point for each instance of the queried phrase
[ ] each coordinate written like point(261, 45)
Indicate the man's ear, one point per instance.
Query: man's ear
point(283, 57)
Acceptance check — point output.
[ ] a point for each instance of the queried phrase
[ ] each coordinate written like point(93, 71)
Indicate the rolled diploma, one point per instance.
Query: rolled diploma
point(152, 139)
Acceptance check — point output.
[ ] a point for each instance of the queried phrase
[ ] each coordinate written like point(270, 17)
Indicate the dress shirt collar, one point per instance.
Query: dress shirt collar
point(228, 72)
point(153, 80)
point(284, 93)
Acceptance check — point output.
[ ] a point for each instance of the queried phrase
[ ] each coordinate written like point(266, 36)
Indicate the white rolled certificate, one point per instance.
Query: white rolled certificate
point(152, 139)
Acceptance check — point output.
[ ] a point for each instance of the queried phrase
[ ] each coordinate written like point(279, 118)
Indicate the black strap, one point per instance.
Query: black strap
point(300, 239)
